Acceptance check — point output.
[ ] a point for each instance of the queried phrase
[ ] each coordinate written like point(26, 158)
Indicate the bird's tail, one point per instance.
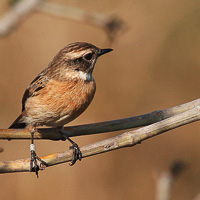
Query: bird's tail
point(18, 123)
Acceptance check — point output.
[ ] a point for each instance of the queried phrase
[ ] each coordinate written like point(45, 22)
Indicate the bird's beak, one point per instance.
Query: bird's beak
point(103, 51)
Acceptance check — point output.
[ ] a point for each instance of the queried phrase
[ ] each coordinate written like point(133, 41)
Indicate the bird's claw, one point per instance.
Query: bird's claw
point(77, 155)
point(33, 163)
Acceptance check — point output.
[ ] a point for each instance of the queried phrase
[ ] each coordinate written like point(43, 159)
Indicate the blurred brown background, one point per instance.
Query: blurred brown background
point(155, 65)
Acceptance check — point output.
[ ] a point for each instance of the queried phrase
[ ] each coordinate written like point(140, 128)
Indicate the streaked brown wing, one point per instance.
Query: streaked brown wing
point(34, 88)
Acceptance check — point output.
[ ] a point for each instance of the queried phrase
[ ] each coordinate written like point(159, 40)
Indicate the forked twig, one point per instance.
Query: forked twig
point(102, 127)
point(21, 9)
point(126, 139)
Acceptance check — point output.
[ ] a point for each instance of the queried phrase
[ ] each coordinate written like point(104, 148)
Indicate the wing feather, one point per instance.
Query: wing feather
point(35, 87)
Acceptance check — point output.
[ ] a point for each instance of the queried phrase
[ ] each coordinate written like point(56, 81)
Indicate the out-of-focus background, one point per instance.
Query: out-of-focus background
point(155, 65)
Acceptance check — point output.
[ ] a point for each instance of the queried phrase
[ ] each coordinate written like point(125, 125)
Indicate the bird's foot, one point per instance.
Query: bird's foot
point(77, 155)
point(34, 167)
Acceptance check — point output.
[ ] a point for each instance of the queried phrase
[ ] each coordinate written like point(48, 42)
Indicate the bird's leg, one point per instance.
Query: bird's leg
point(33, 161)
point(77, 155)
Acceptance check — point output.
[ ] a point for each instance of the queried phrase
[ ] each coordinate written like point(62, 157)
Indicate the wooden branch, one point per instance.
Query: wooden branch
point(17, 13)
point(112, 25)
point(102, 127)
point(74, 13)
point(12, 18)
point(126, 139)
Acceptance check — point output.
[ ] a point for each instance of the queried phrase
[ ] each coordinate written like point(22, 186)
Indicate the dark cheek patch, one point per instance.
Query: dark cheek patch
point(79, 64)
point(84, 66)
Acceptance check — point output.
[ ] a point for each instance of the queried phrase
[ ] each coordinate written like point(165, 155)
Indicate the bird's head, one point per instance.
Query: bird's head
point(77, 58)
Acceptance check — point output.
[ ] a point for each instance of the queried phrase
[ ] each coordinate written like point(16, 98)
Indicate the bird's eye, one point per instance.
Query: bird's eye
point(88, 56)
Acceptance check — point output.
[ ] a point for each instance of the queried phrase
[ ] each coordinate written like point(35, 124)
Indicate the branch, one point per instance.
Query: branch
point(102, 127)
point(112, 25)
point(126, 139)
point(15, 15)
point(12, 18)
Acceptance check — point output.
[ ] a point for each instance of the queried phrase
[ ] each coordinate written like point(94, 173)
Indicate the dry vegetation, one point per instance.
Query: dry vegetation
point(155, 66)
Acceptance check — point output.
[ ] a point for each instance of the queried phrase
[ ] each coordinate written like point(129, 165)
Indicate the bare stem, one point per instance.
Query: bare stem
point(16, 14)
point(102, 127)
point(126, 139)
point(111, 24)
point(21, 9)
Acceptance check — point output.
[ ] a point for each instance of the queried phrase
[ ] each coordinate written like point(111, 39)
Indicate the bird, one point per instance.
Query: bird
point(59, 94)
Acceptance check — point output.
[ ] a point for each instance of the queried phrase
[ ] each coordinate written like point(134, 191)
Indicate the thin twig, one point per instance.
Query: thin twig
point(102, 127)
point(74, 13)
point(12, 18)
point(21, 9)
point(111, 24)
point(126, 139)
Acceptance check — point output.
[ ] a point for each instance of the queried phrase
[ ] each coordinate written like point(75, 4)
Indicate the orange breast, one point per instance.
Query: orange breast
point(60, 102)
